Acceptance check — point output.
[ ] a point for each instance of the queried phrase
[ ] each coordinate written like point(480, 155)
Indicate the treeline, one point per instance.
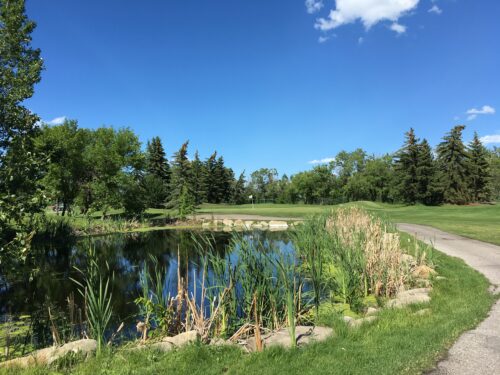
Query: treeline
point(452, 173)
point(106, 168)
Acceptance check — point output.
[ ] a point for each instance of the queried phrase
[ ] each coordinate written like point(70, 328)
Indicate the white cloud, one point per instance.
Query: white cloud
point(323, 39)
point(322, 161)
point(56, 121)
point(486, 110)
point(489, 139)
point(435, 9)
point(314, 6)
point(369, 12)
point(361, 40)
point(398, 28)
point(474, 112)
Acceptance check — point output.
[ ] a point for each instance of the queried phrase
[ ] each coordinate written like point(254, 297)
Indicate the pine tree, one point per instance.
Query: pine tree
point(453, 167)
point(211, 185)
point(239, 195)
point(429, 191)
point(198, 182)
point(157, 163)
point(406, 169)
point(480, 175)
point(182, 194)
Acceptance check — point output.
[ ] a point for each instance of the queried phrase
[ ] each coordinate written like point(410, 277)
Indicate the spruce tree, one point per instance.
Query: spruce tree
point(157, 163)
point(239, 195)
point(182, 196)
point(429, 191)
point(453, 167)
point(479, 168)
point(406, 169)
point(198, 179)
point(211, 185)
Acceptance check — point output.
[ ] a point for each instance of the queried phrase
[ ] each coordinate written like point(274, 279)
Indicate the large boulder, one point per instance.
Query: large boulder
point(410, 297)
point(169, 343)
point(49, 355)
point(304, 335)
point(275, 224)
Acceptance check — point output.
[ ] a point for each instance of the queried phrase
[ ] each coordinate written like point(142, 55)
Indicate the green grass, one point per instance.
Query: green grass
point(480, 222)
point(398, 343)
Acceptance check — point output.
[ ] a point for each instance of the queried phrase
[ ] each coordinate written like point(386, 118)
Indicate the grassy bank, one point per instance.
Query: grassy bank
point(480, 222)
point(400, 342)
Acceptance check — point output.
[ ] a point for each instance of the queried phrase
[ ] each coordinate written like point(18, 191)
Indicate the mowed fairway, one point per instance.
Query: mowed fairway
point(481, 222)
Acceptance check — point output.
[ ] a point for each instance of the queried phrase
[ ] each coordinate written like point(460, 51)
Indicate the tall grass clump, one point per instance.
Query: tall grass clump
point(96, 292)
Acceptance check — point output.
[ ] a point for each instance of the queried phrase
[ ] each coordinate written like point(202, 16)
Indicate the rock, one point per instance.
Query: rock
point(409, 297)
point(371, 311)
point(274, 224)
point(216, 222)
point(304, 335)
point(206, 224)
point(169, 343)
point(423, 272)
point(227, 223)
point(264, 224)
point(248, 224)
point(238, 223)
point(49, 355)
point(348, 319)
point(359, 322)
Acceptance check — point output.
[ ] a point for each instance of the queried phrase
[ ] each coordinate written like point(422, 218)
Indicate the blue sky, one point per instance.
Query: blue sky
point(272, 83)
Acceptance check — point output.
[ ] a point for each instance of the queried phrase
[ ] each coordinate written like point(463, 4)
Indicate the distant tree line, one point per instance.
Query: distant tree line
point(106, 168)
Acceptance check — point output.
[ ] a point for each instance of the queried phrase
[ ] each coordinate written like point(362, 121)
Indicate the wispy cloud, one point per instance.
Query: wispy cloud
point(474, 112)
point(321, 161)
point(323, 39)
point(369, 12)
point(56, 121)
point(398, 28)
point(435, 9)
point(314, 6)
point(490, 139)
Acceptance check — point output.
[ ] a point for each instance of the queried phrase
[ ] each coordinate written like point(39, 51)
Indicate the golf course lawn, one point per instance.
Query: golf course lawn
point(481, 222)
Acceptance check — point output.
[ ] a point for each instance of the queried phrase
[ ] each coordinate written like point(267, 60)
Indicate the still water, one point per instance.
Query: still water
point(51, 284)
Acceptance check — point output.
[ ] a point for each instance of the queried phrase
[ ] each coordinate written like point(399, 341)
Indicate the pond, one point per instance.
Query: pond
point(51, 286)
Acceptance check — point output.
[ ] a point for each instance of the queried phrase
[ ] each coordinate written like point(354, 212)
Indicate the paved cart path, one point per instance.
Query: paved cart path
point(476, 351)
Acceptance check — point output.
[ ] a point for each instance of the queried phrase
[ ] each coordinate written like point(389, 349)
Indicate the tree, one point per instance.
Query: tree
point(239, 195)
point(157, 179)
point(20, 195)
point(479, 167)
point(110, 158)
point(64, 145)
point(453, 167)
point(429, 191)
point(494, 160)
point(157, 163)
point(182, 196)
point(406, 165)
point(198, 176)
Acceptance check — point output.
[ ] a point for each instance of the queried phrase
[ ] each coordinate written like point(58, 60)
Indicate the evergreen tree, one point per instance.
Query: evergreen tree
point(157, 163)
point(224, 178)
point(211, 184)
point(239, 195)
point(494, 160)
point(182, 196)
point(429, 191)
point(480, 175)
point(406, 169)
point(453, 167)
point(198, 182)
